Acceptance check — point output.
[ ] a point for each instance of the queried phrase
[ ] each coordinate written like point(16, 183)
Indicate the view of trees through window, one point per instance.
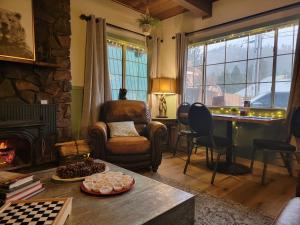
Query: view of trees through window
point(128, 72)
point(255, 66)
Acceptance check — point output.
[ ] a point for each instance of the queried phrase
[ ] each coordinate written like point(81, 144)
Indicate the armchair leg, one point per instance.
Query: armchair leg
point(212, 156)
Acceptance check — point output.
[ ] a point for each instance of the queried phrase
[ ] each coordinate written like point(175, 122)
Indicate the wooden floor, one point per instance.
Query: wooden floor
point(245, 189)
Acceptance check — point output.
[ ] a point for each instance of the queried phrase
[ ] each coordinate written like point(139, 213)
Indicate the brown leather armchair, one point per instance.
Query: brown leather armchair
point(129, 152)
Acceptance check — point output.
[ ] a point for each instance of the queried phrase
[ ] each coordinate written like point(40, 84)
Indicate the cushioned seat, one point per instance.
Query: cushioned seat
point(128, 145)
point(273, 145)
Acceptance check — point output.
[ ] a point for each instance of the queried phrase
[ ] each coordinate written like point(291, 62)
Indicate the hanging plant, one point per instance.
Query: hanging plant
point(147, 22)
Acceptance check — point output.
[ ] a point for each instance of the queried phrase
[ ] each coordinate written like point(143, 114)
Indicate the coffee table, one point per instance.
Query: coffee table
point(149, 202)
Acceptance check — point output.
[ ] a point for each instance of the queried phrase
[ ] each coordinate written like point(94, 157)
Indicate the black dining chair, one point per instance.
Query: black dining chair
point(284, 148)
point(183, 123)
point(201, 123)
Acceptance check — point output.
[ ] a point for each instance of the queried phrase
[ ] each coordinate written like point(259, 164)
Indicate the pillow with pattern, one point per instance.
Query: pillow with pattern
point(122, 129)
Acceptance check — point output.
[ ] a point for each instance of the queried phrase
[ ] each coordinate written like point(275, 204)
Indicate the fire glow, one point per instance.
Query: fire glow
point(7, 154)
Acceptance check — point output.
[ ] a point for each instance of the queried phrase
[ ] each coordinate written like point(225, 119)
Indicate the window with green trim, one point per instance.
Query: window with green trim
point(254, 65)
point(128, 69)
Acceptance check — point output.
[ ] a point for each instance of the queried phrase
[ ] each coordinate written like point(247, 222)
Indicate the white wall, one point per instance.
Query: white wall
point(223, 11)
point(114, 13)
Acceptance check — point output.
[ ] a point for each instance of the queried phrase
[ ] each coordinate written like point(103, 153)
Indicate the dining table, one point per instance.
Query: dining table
point(229, 166)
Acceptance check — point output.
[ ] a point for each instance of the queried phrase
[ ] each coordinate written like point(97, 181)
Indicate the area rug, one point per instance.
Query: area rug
point(211, 210)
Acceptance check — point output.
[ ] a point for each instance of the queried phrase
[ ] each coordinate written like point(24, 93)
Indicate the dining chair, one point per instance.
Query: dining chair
point(183, 123)
point(284, 148)
point(201, 123)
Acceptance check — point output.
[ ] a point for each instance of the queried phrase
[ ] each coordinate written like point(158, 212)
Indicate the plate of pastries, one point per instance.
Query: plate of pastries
point(108, 183)
point(79, 170)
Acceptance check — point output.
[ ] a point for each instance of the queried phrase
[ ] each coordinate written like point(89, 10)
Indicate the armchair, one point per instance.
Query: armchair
point(129, 152)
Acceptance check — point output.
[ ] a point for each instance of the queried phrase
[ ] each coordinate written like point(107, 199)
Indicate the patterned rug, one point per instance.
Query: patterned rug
point(211, 210)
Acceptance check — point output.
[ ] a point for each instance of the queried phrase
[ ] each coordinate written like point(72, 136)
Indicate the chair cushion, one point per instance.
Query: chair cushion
point(290, 214)
point(221, 142)
point(122, 129)
point(273, 145)
point(128, 145)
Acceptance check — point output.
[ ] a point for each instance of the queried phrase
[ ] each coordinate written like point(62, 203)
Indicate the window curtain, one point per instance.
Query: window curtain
point(153, 48)
point(97, 88)
point(294, 100)
point(181, 52)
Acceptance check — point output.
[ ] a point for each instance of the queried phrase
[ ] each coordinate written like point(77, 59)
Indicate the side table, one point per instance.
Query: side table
point(171, 124)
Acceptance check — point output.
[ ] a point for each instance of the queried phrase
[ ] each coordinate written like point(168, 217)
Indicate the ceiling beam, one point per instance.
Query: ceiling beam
point(198, 7)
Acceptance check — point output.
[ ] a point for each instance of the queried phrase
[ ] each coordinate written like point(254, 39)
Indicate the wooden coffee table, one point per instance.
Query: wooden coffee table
point(149, 202)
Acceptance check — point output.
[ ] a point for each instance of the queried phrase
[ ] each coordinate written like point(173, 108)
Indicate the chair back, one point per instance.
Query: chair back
point(295, 123)
point(182, 113)
point(200, 119)
point(126, 110)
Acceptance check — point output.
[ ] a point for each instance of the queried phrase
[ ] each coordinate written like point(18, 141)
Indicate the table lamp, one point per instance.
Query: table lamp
point(163, 87)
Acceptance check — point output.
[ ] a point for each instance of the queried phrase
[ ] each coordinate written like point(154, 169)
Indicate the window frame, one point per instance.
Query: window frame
point(262, 28)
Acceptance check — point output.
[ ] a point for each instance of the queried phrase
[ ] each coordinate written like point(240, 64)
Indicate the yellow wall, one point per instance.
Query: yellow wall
point(223, 11)
point(114, 13)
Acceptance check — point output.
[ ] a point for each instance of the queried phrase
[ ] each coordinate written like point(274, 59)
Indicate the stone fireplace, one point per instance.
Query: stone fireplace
point(47, 79)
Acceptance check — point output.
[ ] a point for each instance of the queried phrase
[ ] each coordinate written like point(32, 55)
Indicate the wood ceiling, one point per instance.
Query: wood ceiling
point(163, 9)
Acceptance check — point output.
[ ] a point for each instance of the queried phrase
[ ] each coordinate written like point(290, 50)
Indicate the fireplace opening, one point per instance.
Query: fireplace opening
point(15, 152)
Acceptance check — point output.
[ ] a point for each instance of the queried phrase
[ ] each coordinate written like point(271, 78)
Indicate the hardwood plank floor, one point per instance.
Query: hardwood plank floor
point(245, 189)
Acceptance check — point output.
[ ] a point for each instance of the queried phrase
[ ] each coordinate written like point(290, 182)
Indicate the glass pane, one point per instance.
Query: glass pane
point(261, 45)
point(295, 36)
point(136, 74)
point(193, 94)
point(194, 76)
point(285, 40)
point(236, 49)
point(282, 93)
point(284, 67)
point(234, 94)
point(214, 95)
point(235, 72)
point(215, 53)
point(260, 70)
point(215, 74)
point(190, 57)
point(259, 94)
point(115, 69)
point(198, 57)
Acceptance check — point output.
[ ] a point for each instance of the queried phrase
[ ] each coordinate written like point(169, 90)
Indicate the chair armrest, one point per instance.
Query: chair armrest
point(97, 136)
point(157, 133)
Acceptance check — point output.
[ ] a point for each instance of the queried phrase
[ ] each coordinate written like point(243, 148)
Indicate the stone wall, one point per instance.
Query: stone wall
point(28, 84)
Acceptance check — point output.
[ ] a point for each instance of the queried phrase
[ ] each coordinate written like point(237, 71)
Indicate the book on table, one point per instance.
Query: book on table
point(16, 186)
point(10, 180)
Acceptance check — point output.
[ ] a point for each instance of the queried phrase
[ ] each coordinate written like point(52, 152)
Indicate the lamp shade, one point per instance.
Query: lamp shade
point(163, 86)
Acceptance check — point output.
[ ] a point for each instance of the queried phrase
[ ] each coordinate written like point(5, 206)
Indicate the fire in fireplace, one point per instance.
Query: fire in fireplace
point(7, 153)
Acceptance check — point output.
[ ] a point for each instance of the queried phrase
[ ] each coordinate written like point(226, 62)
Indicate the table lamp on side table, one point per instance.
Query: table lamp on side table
point(163, 87)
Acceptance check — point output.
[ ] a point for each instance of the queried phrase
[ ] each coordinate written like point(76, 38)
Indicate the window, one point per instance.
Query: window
point(256, 65)
point(128, 69)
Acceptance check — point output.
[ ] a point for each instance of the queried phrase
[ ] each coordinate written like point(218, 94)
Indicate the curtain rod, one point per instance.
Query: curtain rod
point(244, 18)
point(87, 18)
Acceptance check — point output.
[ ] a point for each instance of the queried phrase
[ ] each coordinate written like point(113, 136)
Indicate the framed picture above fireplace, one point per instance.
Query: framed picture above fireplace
point(16, 30)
